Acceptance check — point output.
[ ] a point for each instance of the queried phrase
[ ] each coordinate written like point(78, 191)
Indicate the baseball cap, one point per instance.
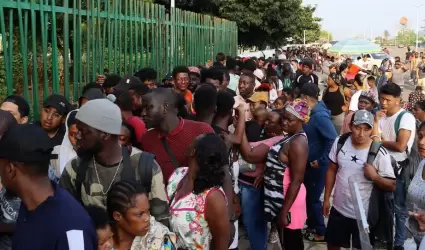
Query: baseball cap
point(93, 93)
point(26, 143)
point(259, 97)
point(311, 90)
point(259, 74)
point(169, 77)
point(363, 117)
point(59, 102)
point(194, 70)
point(23, 106)
point(102, 115)
point(126, 83)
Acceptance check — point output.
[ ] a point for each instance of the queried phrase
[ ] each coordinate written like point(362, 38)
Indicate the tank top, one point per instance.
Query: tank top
point(334, 101)
point(273, 178)
point(187, 219)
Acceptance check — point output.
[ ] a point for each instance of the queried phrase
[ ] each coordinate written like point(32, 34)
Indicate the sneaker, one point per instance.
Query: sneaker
point(273, 236)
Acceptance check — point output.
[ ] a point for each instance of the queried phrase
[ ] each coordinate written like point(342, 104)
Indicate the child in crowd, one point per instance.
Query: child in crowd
point(280, 102)
point(127, 137)
point(103, 229)
point(288, 93)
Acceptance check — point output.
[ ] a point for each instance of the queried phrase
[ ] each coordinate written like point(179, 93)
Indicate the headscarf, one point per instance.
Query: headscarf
point(300, 109)
point(67, 152)
point(370, 96)
point(336, 78)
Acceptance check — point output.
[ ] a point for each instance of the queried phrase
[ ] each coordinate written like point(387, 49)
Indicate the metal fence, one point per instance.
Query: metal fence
point(57, 46)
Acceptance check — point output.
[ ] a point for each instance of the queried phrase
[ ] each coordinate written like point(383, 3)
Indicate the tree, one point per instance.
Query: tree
point(386, 34)
point(261, 22)
point(325, 36)
point(406, 36)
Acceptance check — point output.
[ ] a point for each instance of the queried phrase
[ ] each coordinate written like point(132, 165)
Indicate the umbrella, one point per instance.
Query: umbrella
point(355, 46)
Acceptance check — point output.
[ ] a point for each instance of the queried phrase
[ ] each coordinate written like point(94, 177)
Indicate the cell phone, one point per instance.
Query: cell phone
point(289, 217)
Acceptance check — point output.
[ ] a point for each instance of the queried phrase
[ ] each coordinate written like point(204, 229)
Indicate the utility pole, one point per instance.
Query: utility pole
point(417, 24)
point(173, 32)
point(304, 38)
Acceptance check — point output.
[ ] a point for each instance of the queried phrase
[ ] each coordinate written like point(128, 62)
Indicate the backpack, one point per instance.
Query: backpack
point(146, 163)
point(373, 151)
point(397, 125)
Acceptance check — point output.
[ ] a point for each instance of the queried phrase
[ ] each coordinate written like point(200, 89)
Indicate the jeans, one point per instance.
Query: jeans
point(252, 205)
point(400, 209)
point(314, 182)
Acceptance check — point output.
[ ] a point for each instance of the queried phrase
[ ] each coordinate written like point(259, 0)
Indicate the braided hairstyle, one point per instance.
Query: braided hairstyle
point(121, 197)
point(211, 156)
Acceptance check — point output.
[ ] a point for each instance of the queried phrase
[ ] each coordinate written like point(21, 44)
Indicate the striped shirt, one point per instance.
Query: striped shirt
point(273, 178)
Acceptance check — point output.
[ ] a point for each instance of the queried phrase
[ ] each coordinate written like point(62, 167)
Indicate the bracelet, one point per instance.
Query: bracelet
point(376, 136)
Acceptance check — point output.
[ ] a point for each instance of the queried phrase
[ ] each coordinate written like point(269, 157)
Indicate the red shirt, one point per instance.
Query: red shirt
point(138, 125)
point(178, 140)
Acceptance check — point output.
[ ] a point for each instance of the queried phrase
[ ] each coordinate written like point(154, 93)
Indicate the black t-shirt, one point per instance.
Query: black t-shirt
point(253, 131)
point(231, 91)
point(303, 79)
point(58, 138)
point(219, 130)
point(408, 55)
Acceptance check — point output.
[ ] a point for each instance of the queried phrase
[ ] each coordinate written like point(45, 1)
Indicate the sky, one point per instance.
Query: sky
point(349, 19)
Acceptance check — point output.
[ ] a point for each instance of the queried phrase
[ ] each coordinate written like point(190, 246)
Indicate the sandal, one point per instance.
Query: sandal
point(312, 238)
point(273, 236)
point(307, 230)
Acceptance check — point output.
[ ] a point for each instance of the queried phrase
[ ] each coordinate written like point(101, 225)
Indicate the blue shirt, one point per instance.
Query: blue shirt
point(59, 223)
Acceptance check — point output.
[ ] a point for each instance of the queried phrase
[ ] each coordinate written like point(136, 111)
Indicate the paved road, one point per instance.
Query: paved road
point(243, 242)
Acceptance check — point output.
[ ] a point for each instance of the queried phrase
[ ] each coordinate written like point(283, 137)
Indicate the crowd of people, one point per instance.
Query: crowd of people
point(182, 162)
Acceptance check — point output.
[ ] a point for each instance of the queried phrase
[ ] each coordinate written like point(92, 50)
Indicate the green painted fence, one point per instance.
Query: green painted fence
point(57, 46)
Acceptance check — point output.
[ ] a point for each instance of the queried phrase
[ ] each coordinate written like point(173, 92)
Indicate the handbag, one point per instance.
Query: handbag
point(245, 167)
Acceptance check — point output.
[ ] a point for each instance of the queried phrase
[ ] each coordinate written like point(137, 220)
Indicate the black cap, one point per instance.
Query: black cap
point(59, 102)
point(93, 93)
point(23, 106)
point(126, 83)
point(26, 143)
point(311, 90)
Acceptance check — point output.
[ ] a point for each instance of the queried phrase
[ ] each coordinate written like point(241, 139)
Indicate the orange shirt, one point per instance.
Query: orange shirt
point(188, 97)
point(353, 70)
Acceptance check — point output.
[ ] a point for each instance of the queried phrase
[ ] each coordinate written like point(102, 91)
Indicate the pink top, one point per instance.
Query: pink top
point(299, 207)
point(346, 125)
point(259, 168)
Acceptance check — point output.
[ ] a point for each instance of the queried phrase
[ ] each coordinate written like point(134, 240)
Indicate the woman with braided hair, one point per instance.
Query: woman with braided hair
point(197, 201)
point(134, 228)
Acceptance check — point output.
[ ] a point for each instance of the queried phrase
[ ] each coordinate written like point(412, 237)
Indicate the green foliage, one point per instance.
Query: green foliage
point(261, 22)
point(406, 36)
point(325, 36)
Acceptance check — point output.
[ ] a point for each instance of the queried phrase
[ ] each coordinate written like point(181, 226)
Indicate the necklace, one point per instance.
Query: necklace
point(113, 179)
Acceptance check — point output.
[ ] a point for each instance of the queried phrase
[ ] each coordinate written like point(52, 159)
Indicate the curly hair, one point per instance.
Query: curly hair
point(211, 157)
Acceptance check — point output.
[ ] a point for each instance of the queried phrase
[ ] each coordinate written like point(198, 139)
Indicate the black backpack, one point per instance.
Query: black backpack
point(373, 151)
point(146, 163)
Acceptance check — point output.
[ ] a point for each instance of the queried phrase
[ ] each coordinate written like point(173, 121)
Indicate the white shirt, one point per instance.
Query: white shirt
point(354, 102)
point(387, 127)
point(273, 95)
point(236, 189)
point(350, 168)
